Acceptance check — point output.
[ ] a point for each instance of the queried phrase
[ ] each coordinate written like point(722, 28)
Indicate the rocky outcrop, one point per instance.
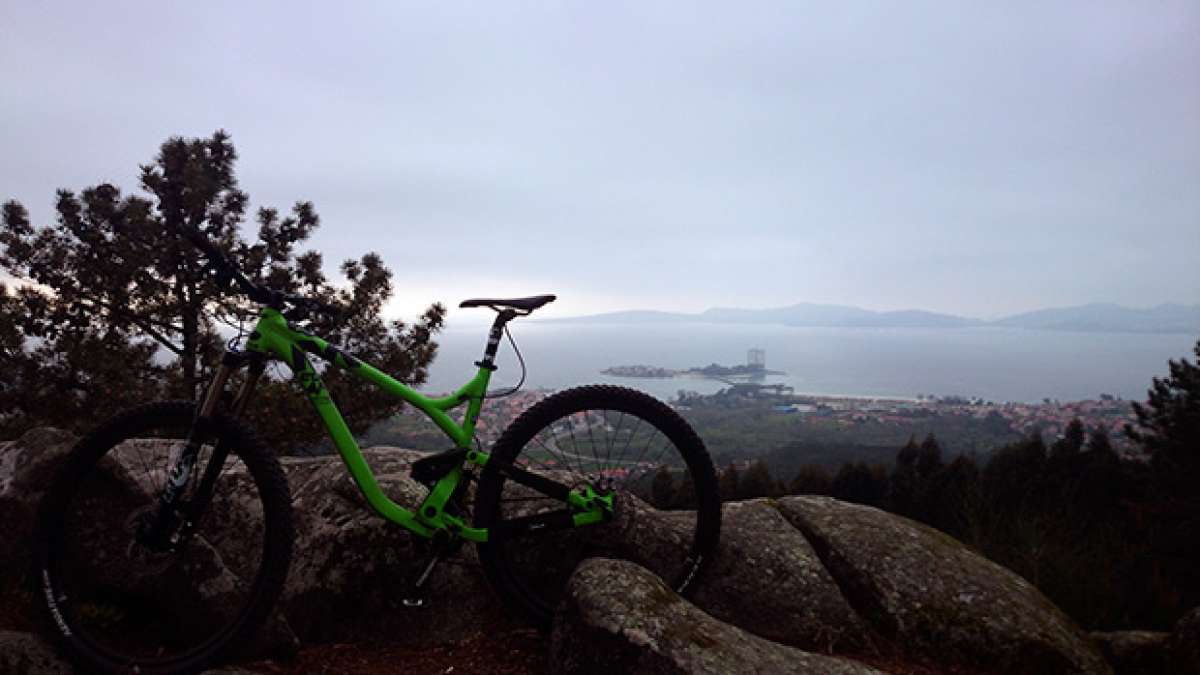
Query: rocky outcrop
point(25, 654)
point(1135, 652)
point(933, 596)
point(764, 577)
point(767, 579)
point(807, 572)
point(1141, 652)
point(1185, 644)
point(620, 618)
point(351, 568)
point(22, 653)
point(26, 468)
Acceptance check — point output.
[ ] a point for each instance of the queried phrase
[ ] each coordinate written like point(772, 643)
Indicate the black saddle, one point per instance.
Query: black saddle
point(523, 304)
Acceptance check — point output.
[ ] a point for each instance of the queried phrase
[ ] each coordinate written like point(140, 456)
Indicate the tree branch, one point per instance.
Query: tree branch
point(140, 323)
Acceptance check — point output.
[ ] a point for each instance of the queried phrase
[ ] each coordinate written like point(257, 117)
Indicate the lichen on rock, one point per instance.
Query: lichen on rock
point(934, 596)
point(614, 620)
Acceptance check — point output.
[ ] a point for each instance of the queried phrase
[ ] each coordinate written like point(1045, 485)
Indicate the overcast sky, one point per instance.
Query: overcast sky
point(976, 158)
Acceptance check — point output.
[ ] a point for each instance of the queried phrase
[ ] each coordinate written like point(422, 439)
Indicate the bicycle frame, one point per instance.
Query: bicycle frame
point(273, 337)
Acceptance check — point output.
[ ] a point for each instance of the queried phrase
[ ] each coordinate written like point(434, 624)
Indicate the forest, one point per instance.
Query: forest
point(1112, 539)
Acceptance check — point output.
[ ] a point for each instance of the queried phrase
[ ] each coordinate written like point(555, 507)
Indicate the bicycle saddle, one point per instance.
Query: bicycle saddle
point(524, 304)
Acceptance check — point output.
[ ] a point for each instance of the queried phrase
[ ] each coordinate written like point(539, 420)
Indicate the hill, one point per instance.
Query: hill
point(1095, 317)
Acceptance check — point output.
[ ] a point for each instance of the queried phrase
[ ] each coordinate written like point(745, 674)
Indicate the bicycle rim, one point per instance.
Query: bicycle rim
point(120, 604)
point(667, 511)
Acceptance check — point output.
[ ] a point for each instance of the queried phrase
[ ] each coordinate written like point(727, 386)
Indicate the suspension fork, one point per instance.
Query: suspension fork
point(185, 463)
point(230, 363)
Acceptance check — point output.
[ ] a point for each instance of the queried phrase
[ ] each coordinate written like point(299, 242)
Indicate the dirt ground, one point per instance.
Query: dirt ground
point(518, 652)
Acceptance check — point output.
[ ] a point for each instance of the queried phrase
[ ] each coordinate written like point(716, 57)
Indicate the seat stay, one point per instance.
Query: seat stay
point(272, 336)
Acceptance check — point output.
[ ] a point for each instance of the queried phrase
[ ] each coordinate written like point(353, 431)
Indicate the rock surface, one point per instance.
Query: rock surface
point(351, 567)
point(933, 596)
point(25, 654)
point(620, 618)
point(808, 572)
point(1185, 644)
point(767, 579)
point(26, 468)
point(1135, 652)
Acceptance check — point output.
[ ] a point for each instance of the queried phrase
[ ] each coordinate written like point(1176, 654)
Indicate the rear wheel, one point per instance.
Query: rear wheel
point(615, 440)
point(117, 601)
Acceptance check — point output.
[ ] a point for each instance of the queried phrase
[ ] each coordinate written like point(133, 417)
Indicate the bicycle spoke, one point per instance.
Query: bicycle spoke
point(591, 437)
point(571, 430)
point(609, 451)
point(559, 457)
point(149, 475)
point(612, 439)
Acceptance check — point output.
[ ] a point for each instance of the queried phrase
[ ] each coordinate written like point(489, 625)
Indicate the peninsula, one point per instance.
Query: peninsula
point(755, 368)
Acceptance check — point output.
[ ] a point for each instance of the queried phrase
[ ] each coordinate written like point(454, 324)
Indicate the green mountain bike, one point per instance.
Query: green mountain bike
point(166, 537)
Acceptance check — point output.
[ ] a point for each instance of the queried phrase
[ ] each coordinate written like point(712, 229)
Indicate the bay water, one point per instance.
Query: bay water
point(995, 364)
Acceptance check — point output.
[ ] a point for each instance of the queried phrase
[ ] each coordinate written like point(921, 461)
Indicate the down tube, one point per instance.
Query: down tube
point(353, 457)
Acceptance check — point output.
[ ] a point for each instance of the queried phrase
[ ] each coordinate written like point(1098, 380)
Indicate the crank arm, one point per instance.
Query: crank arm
point(551, 521)
point(588, 500)
point(550, 488)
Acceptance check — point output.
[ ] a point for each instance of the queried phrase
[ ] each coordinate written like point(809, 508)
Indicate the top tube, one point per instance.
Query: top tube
point(272, 335)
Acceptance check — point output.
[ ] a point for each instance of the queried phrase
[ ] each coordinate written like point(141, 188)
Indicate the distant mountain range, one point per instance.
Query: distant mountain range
point(1096, 317)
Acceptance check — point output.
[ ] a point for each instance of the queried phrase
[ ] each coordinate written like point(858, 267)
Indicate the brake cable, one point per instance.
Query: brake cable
point(510, 392)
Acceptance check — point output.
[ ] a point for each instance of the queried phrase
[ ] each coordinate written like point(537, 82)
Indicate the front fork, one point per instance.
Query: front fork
point(157, 533)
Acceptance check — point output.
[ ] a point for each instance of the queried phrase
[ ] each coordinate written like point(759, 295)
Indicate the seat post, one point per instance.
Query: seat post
point(489, 352)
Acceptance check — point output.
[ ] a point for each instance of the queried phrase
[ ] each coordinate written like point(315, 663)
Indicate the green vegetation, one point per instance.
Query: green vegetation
point(1114, 542)
point(110, 287)
point(750, 429)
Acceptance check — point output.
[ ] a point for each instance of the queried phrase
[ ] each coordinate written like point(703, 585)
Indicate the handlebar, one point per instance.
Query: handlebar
point(300, 305)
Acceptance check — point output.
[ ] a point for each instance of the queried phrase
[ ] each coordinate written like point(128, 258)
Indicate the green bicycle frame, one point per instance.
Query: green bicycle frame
point(273, 337)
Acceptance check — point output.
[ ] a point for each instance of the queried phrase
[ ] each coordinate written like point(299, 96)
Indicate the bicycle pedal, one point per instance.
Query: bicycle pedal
point(417, 595)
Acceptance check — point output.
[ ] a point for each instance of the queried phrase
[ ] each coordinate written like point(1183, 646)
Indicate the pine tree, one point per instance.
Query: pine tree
point(1071, 443)
point(728, 483)
point(905, 485)
point(118, 277)
point(929, 458)
point(861, 483)
point(1099, 442)
point(756, 482)
point(685, 494)
point(662, 489)
point(951, 499)
point(1168, 424)
point(1168, 428)
point(812, 479)
point(73, 377)
point(1015, 473)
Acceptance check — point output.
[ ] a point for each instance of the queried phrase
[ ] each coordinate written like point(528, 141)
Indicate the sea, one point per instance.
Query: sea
point(990, 363)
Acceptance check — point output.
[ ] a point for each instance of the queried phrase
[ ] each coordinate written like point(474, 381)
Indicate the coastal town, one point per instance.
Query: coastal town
point(748, 388)
point(1049, 417)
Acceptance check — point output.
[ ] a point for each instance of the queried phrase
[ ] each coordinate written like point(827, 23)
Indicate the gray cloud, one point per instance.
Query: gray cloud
point(977, 158)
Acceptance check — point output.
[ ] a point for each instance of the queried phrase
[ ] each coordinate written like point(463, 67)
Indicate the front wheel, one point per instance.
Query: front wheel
point(667, 512)
point(119, 601)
